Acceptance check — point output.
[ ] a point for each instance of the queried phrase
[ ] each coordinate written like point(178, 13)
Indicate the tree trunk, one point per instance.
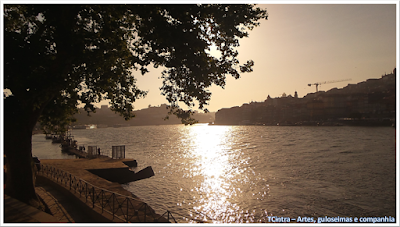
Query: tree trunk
point(18, 126)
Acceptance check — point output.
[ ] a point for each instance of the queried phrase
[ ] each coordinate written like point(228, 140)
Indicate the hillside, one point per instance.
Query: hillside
point(371, 102)
point(154, 115)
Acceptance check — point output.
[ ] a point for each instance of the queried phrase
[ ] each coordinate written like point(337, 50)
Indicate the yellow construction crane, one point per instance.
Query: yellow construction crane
point(326, 82)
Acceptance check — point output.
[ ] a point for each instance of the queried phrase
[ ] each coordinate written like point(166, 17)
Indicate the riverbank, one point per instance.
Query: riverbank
point(78, 168)
point(119, 205)
point(63, 206)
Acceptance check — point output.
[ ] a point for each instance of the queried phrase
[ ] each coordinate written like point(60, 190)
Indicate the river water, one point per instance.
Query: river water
point(238, 174)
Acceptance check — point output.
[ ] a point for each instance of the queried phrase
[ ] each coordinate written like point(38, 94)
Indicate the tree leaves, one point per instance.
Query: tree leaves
point(85, 52)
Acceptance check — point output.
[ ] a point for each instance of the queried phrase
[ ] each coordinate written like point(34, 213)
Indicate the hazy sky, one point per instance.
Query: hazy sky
point(301, 44)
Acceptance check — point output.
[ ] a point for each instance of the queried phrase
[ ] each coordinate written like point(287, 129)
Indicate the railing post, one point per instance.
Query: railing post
point(113, 204)
point(70, 182)
point(93, 196)
point(145, 206)
point(79, 187)
point(127, 210)
point(102, 200)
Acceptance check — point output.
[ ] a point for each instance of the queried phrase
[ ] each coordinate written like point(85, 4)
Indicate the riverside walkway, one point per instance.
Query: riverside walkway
point(61, 208)
point(72, 195)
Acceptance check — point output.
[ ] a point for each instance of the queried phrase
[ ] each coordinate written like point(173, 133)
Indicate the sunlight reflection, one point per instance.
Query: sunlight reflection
point(213, 162)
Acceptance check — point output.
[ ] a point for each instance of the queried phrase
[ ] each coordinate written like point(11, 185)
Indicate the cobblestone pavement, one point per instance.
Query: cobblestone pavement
point(56, 209)
point(61, 207)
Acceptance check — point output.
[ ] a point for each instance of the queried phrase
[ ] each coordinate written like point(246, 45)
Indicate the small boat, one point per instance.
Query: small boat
point(57, 139)
point(80, 127)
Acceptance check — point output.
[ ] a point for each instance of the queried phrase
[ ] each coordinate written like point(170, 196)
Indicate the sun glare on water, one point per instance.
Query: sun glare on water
point(213, 162)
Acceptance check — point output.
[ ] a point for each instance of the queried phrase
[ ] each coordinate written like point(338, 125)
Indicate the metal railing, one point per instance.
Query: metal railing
point(124, 208)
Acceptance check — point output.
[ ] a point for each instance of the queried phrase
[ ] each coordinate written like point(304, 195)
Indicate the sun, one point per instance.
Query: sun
point(214, 52)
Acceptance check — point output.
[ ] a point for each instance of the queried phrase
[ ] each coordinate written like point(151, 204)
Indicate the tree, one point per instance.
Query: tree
point(56, 56)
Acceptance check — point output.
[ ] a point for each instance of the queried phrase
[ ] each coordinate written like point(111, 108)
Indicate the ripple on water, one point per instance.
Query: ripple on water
point(245, 173)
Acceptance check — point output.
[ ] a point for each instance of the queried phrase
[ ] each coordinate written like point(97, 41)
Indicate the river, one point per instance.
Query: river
point(238, 174)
